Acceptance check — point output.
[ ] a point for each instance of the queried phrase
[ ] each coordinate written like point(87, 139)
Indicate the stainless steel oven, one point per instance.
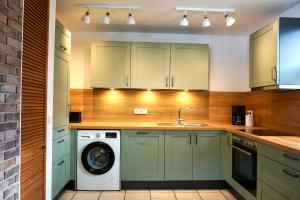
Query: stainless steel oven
point(244, 163)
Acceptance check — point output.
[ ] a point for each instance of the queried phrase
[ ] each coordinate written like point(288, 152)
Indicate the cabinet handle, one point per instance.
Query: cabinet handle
point(172, 81)
point(63, 47)
point(60, 141)
point(274, 73)
point(228, 140)
point(190, 139)
point(167, 80)
point(127, 81)
point(290, 174)
point(196, 139)
point(142, 133)
point(62, 162)
point(61, 130)
point(290, 157)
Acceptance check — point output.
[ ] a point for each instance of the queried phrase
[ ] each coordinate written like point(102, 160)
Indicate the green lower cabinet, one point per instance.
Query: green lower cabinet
point(285, 180)
point(142, 155)
point(59, 175)
point(264, 192)
point(207, 155)
point(73, 153)
point(179, 155)
point(227, 151)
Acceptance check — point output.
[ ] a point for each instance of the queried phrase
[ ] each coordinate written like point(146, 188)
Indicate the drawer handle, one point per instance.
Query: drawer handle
point(290, 157)
point(63, 47)
point(61, 162)
point(60, 141)
point(290, 174)
point(61, 130)
point(142, 133)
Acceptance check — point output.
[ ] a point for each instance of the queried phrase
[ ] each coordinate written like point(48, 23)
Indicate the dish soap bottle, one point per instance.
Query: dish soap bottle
point(249, 118)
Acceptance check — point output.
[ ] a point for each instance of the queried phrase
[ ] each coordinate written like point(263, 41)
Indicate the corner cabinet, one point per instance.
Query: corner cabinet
point(61, 136)
point(149, 62)
point(274, 57)
point(110, 62)
point(189, 66)
point(142, 65)
point(142, 154)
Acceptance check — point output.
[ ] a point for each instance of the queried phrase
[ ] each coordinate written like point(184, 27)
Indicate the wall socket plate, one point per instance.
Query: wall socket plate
point(140, 111)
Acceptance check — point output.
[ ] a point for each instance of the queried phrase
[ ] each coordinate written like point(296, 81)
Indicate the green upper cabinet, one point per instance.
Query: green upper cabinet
point(142, 155)
point(189, 66)
point(263, 56)
point(62, 38)
point(150, 64)
point(61, 90)
point(179, 155)
point(274, 55)
point(110, 62)
point(207, 155)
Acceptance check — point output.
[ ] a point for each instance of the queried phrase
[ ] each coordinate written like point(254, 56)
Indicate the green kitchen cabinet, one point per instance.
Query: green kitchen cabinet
point(207, 155)
point(179, 155)
point(263, 56)
point(264, 192)
point(150, 64)
point(142, 155)
point(285, 180)
point(110, 65)
point(228, 157)
point(189, 66)
point(62, 38)
point(60, 174)
point(61, 90)
point(73, 153)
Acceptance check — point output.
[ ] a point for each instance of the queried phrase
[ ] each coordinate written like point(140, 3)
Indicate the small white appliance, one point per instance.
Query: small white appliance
point(98, 160)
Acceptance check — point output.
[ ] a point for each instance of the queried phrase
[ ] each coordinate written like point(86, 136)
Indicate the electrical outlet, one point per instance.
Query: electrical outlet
point(140, 111)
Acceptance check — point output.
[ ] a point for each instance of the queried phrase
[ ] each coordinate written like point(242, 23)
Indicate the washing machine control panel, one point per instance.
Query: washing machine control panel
point(110, 135)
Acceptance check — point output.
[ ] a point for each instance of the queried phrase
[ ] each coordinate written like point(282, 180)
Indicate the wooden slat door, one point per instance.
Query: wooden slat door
point(34, 98)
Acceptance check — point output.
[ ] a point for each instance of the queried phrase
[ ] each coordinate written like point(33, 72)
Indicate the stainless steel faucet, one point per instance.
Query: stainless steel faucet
point(180, 120)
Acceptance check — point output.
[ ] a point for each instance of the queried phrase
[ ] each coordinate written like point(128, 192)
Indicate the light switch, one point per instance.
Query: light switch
point(140, 111)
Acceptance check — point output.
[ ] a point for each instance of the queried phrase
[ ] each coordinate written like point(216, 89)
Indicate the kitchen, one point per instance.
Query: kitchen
point(165, 100)
point(165, 112)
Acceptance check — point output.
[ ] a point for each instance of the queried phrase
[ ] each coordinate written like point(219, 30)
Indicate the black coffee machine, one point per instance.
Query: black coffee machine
point(238, 114)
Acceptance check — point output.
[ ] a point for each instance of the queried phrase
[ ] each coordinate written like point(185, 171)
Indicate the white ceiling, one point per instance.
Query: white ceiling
point(160, 16)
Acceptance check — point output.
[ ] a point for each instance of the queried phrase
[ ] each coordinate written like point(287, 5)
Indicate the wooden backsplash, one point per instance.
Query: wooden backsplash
point(118, 105)
point(273, 109)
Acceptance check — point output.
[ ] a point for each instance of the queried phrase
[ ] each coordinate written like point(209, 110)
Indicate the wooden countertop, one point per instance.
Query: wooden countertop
point(288, 143)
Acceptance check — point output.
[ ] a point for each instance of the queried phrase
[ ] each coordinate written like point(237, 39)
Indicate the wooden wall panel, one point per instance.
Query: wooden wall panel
point(118, 105)
point(34, 97)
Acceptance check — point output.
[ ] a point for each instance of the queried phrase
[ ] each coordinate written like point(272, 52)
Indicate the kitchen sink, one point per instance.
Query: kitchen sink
point(183, 125)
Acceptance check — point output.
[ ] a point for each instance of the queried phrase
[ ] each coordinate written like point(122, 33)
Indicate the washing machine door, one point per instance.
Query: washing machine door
point(97, 158)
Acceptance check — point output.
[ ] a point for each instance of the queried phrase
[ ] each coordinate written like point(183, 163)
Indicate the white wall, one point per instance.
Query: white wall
point(292, 12)
point(228, 62)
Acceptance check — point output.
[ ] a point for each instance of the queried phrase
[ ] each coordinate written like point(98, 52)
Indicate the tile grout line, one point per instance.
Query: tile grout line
point(99, 195)
point(199, 195)
point(224, 195)
point(73, 195)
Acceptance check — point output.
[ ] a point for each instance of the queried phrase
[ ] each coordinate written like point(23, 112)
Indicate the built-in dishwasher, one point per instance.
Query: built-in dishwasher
point(244, 162)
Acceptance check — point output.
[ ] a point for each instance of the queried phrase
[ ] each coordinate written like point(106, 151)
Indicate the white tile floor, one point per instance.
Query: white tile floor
point(149, 195)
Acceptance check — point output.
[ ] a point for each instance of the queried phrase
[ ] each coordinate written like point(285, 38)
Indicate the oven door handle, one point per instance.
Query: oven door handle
point(242, 150)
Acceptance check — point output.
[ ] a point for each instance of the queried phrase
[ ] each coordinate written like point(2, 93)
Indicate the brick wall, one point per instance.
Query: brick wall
point(10, 80)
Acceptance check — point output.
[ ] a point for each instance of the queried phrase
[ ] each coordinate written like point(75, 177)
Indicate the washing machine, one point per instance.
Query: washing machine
point(98, 160)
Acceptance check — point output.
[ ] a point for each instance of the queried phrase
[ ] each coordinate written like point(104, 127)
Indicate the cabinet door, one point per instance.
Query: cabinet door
point(207, 155)
point(263, 56)
point(61, 90)
point(189, 66)
point(228, 158)
point(58, 176)
point(178, 155)
point(264, 192)
point(142, 155)
point(110, 65)
point(62, 38)
point(73, 153)
point(150, 64)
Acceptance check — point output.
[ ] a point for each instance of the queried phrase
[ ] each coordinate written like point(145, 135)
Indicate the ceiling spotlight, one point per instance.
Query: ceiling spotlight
point(206, 22)
point(130, 20)
point(184, 21)
point(86, 17)
point(106, 18)
point(229, 20)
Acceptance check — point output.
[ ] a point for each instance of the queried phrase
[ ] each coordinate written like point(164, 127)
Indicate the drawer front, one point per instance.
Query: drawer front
point(62, 41)
point(61, 147)
point(284, 179)
point(264, 192)
point(58, 176)
point(283, 157)
point(60, 132)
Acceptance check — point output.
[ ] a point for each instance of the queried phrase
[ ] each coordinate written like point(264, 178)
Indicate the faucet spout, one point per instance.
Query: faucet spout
point(180, 119)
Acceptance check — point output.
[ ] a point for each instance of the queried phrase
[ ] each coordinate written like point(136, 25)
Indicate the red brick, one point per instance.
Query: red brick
point(3, 18)
point(11, 153)
point(2, 57)
point(8, 88)
point(2, 78)
point(11, 135)
point(9, 31)
point(8, 108)
point(14, 43)
point(7, 69)
point(11, 60)
point(6, 127)
point(2, 38)
point(11, 117)
point(13, 80)
point(8, 50)
point(14, 25)
point(2, 98)
point(7, 164)
point(15, 5)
